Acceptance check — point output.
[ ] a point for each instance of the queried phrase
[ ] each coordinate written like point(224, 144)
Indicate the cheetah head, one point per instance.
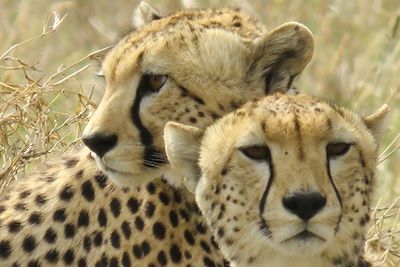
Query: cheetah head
point(190, 67)
point(285, 180)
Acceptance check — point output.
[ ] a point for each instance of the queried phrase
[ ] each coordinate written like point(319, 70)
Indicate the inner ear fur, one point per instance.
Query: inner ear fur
point(182, 146)
point(375, 121)
point(144, 13)
point(282, 54)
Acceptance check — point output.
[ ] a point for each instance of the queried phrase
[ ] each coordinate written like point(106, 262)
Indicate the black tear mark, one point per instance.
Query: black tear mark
point(263, 226)
point(152, 158)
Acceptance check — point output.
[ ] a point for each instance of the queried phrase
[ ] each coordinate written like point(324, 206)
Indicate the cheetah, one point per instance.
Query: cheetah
point(116, 204)
point(284, 181)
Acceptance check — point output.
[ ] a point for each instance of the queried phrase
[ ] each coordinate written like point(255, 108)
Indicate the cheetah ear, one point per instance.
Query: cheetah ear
point(143, 14)
point(282, 54)
point(375, 121)
point(182, 145)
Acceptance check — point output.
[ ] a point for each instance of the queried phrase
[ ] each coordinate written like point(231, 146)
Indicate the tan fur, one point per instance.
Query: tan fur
point(70, 214)
point(215, 60)
point(297, 131)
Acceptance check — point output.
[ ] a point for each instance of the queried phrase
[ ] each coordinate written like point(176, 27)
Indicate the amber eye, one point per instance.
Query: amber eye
point(337, 149)
point(257, 152)
point(154, 82)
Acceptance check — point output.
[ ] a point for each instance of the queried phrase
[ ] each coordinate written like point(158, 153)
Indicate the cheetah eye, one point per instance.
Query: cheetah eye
point(257, 152)
point(154, 82)
point(337, 149)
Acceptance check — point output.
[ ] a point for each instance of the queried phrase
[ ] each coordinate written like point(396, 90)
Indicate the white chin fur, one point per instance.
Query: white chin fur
point(125, 179)
point(297, 247)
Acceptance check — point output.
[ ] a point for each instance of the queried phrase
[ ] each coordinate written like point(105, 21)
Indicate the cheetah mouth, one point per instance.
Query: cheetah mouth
point(304, 235)
point(108, 169)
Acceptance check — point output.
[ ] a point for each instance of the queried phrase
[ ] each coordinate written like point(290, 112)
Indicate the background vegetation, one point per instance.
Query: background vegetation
point(48, 87)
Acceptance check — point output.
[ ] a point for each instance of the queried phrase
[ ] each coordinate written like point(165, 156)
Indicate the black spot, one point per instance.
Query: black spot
point(35, 218)
point(14, 226)
point(173, 218)
point(115, 239)
point(25, 193)
point(189, 238)
point(220, 232)
point(184, 214)
point(126, 229)
point(69, 256)
point(146, 248)
point(79, 174)
point(52, 256)
point(5, 249)
point(50, 236)
point(115, 207)
point(101, 180)
point(163, 198)
point(33, 263)
point(162, 258)
point(103, 262)
point(159, 230)
point(40, 199)
point(98, 239)
point(175, 253)
point(205, 246)
point(82, 262)
point(83, 219)
point(20, 206)
point(208, 262)
point(188, 255)
point(151, 188)
point(133, 205)
point(114, 262)
point(201, 228)
point(149, 209)
point(139, 223)
point(69, 230)
point(237, 24)
point(59, 215)
point(137, 252)
point(71, 163)
point(102, 217)
point(87, 191)
point(177, 197)
point(87, 243)
point(67, 193)
point(29, 243)
point(126, 261)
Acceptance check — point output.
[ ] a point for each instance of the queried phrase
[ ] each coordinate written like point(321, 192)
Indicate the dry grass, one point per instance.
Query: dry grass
point(48, 87)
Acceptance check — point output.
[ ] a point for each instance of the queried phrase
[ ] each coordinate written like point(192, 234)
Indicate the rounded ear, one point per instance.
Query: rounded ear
point(375, 121)
point(143, 14)
point(182, 146)
point(282, 54)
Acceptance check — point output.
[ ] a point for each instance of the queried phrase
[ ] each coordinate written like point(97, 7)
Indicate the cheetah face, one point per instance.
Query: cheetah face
point(189, 67)
point(281, 176)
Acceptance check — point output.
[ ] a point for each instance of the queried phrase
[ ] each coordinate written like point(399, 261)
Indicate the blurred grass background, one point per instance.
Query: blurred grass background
point(44, 105)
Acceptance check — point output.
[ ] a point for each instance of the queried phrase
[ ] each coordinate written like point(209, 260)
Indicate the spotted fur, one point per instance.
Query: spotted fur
point(284, 181)
point(72, 214)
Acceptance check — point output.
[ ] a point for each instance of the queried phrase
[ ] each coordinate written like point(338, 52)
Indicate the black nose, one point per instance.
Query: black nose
point(304, 205)
point(100, 144)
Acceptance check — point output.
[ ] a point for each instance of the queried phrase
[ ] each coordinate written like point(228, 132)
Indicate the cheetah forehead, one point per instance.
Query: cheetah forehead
point(177, 31)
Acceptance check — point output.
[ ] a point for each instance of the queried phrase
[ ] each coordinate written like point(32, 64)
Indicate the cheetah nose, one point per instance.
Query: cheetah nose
point(304, 205)
point(100, 144)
